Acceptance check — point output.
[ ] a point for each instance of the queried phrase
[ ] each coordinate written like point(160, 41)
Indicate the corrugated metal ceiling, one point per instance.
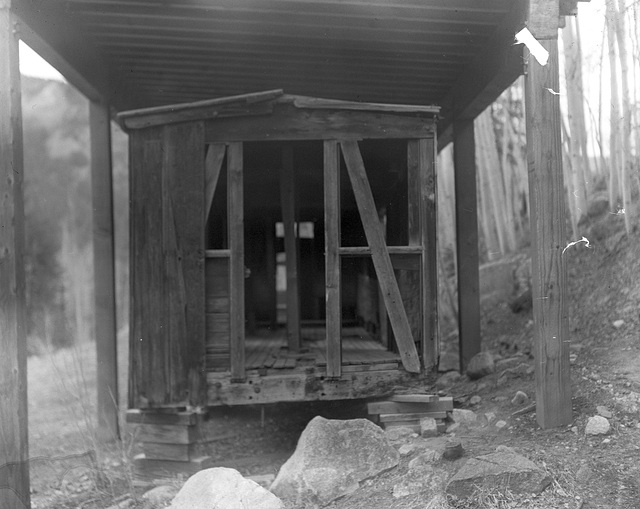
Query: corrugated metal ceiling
point(392, 51)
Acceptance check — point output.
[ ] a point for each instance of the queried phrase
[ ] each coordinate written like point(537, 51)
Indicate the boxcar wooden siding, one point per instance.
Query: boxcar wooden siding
point(167, 266)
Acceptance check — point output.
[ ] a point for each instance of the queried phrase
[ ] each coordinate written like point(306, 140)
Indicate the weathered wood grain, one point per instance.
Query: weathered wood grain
point(167, 265)
point(332, 257)
point(14, 449)
point(547, 213)
point(426, 159)
point(288, 123)
point(104, 272)
point(235, 183)
point(380, 256)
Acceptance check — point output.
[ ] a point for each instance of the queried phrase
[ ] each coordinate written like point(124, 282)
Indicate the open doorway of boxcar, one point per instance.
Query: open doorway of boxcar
point(284, 258)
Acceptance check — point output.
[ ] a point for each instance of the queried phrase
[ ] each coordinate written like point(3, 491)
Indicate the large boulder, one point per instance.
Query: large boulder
point(502, 469)
point(481, 364)
point(223, 488)
point(331, 458)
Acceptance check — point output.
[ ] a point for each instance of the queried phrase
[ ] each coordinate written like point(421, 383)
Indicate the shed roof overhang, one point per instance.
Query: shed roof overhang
point(144, 53)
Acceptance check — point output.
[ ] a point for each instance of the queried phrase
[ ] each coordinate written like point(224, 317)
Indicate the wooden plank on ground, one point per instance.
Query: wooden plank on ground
point(213, 167)
point(332, 259)
point(288, 205)
point(396, 407)
point(416, 398)
point(416, 416)
point(380, 256)
point(235, 182)
point(547, 211)
point(464, 157)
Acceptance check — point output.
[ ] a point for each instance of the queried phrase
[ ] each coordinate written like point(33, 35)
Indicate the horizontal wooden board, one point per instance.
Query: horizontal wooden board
point(394, 407)
point(290, 123)
point(369, 367)
point(416, 398)
point(167, 418)
point(217, 304)
point(411, 417)
point(216, 322)
point(166, 434)
point(173, 452)
point(301, 386)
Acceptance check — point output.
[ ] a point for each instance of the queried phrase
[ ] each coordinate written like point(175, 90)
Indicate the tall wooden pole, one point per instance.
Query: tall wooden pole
point(464, 162)
point(104, 272)
point(547, 216)
point(14, 448)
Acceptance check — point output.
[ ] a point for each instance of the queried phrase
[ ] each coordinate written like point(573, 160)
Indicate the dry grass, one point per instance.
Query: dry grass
point(70, 467)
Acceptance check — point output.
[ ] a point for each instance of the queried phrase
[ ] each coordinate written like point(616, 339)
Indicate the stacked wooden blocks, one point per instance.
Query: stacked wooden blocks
point(406, 410)
point(168, 441)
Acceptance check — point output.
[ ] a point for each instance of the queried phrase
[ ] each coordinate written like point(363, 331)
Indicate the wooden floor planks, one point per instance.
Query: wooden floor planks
point(359, 351)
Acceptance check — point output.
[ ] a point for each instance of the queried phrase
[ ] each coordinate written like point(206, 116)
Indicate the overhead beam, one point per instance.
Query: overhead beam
point(104, 272)
point(547, 218)
point(14, 447)
point(53, 33)
point(497, 65)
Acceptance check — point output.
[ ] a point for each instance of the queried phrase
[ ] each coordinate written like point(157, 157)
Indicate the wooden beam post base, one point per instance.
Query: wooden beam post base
point(169, 441)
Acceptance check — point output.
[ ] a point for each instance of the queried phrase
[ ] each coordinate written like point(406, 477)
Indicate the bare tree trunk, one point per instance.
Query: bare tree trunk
point(626, 160)
point(614, 135)
point(576, 137)
point(492, 234)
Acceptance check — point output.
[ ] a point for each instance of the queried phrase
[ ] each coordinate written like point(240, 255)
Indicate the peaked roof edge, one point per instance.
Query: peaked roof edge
point(243, 105)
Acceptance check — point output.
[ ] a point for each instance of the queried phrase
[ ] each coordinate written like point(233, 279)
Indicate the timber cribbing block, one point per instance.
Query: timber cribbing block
point(169, 441)
point(406, 410)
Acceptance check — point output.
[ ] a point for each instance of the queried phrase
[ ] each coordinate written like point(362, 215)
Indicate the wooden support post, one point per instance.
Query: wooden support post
point(104, 272)
point(288, 203)
point(421, 158)
point(332, 257)
point(236, 260)
point(382, 310)
point(14, 449)
point(547, 216)
point(270, 261)
point(380, 256)
point(464, 160)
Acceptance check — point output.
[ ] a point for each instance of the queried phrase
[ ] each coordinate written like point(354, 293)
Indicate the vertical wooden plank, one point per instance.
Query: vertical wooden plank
point(287, 202)
point(382, 310)
point(380, 256)
point(236, 262)
point(332, 257)
point(546, 188)
point(213, 166)
point(146, 264)
point(104, 272)
point(464, 160)
point(14, 449)
point(183, 251)
point(422, 154)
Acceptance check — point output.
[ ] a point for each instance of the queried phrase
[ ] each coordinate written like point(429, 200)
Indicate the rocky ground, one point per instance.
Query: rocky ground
point(587, 466)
